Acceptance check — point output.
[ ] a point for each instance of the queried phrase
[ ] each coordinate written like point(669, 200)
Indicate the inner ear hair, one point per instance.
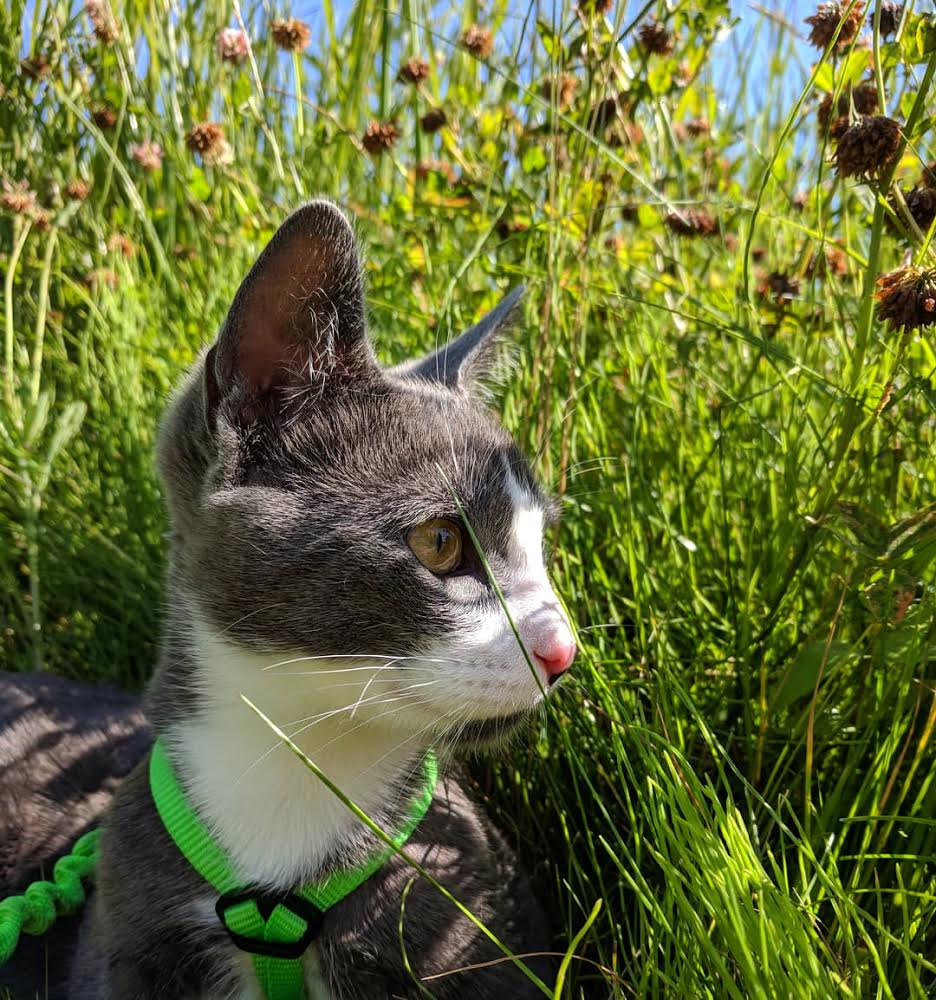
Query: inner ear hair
point(297, 322)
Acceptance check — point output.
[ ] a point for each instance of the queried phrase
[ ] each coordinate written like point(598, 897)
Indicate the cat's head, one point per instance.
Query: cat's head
point(323, 506)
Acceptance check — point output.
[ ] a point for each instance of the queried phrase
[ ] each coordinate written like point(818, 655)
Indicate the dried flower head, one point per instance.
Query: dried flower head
point(655, 37)
point(104, 116)
point(928, 177)
point(443, 167)
point(691, 222)
point(433, 120)
point(589, 8)
point(907, 298)
point(291, 34)
point(148, 155)
point(478, 41)
point(414, 70)
point(122, 244)
point(207, 139)
point(698, 127)
point(864, 97)
point(891, 14)
point(103, 23)
point(233, 45)
point(101, 277)
point(36, 67)
point(921, 204)
point(758, 253)
point(379, 137)
point(824, 23)
point(560, 88)
point(831, 260)
point(77, 189)
point(603, 114)
point(779, 286)
point(630, 211)
point(19, 198)
point(868, 148)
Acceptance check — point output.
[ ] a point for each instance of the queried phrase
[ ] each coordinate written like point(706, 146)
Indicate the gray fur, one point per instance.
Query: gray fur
point(294, 466)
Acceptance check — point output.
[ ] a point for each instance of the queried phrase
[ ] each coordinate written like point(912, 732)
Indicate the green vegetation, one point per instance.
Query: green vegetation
point(742, 769)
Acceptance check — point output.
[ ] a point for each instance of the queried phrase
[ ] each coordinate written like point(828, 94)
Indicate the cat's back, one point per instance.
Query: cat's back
point(64, 748)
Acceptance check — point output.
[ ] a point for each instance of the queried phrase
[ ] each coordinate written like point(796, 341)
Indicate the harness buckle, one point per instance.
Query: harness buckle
point(266, 902)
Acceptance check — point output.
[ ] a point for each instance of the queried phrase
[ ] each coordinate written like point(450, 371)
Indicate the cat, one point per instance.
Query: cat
point(356, 550)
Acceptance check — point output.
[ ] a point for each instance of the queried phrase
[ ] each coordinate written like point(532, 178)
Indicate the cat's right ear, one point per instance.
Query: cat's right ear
point(296, 325)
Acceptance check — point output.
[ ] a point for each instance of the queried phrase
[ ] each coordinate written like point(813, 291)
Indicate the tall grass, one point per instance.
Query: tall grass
point(742, 768)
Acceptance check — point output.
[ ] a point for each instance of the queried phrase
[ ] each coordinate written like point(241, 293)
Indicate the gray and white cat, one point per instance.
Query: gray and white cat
point(321, 565)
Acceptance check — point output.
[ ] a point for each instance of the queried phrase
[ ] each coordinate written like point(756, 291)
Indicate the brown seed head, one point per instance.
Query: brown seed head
point(379, 137)
point(101, 277)
point(414, 70)
point(36, 68)
point(630, 211)
point(891, 13)
point(148, 155)
point(779, 286)
point(560, 88)
point(204, 137)
point(655, 37)
point(921, 204)
point(478, 41)
point(103, 23)
point(865, 100)
point(928, 177)
point(122, 244)
point(432, 120)
point(691, 222)
point(104, 116)
point(443, 167)
point(291, 35)
point(233, 45)
point(697, 127)
point(868, 148)
point(825, 21)
point(830, 261)
point(589, 8)
point(907, 298)
point(603, 114)
point(77, 189)
point(19, 199)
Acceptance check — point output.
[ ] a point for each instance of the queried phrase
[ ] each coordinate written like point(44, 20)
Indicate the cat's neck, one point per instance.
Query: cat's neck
point(279, 823)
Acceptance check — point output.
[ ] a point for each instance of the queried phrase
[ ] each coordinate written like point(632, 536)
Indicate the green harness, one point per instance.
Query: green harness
point(274, 927)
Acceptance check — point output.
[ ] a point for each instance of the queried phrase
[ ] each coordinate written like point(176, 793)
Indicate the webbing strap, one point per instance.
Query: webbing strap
point(275, 928)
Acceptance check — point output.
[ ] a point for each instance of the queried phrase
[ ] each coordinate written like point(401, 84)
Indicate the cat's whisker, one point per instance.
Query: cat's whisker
point(314, 720)
point(393, 660)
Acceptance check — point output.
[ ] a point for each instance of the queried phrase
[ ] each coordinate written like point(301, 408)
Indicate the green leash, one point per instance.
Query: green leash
point(36, 910)
point(275, 928)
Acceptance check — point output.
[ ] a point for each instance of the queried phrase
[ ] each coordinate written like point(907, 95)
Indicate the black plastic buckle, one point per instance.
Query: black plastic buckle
point(266, 903)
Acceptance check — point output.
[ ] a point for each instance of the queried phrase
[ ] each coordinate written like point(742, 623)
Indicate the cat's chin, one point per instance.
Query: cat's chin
point(480, 734)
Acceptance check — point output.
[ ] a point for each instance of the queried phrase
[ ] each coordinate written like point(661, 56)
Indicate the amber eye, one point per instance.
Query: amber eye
point(437, 544)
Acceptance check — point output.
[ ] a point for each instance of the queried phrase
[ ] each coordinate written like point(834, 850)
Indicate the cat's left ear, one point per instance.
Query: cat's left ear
point(297, 322)
point(469, 358)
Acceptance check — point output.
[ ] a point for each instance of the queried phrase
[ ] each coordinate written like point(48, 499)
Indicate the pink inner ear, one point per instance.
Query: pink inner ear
point(280, 326)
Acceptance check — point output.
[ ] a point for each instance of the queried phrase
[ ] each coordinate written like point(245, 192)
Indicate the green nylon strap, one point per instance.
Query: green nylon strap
point(280, 978)
point(35, 910)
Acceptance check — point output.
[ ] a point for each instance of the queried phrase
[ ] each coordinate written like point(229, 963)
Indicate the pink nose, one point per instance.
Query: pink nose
point(555, 656)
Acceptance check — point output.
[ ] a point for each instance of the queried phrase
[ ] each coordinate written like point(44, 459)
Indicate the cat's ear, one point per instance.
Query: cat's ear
point(468, 359)
point(297, 321)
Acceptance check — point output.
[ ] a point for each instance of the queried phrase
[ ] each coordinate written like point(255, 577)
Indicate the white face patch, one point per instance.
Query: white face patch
point(490, 675)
